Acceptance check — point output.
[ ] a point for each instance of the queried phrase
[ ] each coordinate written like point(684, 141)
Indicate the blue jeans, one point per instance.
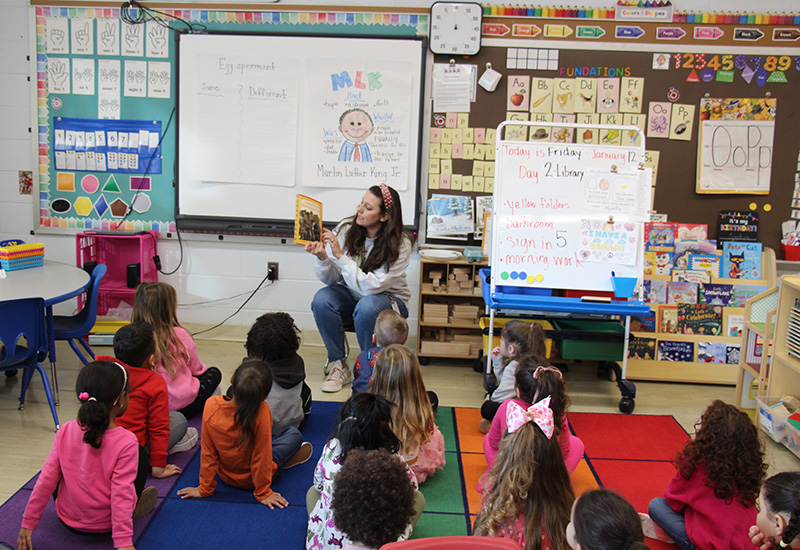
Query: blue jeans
point(335, 306)
point(673, 523)
point(284, 445)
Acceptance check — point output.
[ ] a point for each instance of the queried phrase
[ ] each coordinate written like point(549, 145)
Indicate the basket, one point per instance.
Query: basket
point(600, 348)
point(790, 253)
point(21, 263)
point(771, 420)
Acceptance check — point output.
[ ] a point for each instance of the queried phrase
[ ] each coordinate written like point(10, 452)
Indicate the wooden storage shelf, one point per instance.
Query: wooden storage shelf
point(759, 323)
point(785, 376)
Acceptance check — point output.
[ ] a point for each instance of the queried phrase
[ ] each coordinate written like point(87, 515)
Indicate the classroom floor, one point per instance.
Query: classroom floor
point(26, 436)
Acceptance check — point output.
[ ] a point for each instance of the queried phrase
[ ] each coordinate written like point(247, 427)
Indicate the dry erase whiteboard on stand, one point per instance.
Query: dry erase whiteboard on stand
point(260, 121)
point(568, 215)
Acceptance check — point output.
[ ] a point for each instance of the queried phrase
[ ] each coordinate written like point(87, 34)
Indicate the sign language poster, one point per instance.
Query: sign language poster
point(357, 124)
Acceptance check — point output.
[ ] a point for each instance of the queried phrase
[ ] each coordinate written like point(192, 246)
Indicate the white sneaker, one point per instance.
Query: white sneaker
point(339, 374)
point(188, 441)
point(652, 530)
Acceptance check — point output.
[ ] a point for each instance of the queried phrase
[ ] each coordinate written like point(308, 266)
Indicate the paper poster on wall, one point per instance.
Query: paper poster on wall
point(451, 88)
point(159, 78)
point(108, 37)
point(57, 35)
point(246, 121)
point(735, 145)
point(157, 39)
point(83, 76)
point(82, 36)
point(108, 88)
point(132, 40)
point(604, 241)
point(58, 75)
point(357, 123)
point(135, 78)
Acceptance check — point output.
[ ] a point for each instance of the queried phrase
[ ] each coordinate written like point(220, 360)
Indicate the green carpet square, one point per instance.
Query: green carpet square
point(444, 419)
point(443, 491)
point(440, 525)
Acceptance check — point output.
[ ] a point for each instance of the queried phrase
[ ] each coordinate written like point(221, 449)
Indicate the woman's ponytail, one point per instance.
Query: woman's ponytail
point(99, 386)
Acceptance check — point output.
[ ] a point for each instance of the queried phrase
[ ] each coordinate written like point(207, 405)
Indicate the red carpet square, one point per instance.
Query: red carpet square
point(630, 437)
point(638, 481)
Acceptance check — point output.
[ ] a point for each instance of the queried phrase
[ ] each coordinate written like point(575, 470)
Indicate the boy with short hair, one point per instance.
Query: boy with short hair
point(390, 328)
point(159, 431)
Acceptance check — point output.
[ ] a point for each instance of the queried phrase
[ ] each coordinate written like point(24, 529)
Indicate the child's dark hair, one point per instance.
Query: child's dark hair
point(603, 520)
point(273, 336)
point(134, 343)
point(251, 384)
point(782, 496)
point(536, 379)
point(99, 386)
point(727, 447)
point(365, 420)
point(373, 498)
point(526, 337)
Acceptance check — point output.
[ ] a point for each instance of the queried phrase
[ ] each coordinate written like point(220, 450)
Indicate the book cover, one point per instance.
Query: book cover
point(734, 325)
point(715, 294)
point(655, 292)
point(699, 319)
point(737, 225)
point(732, 353)
point(707, 262)
point(668, 319)
point(691, 276)
point(450, 215)
point(659, 235)
point(712, 352)
point(649, 263)
point(642, 348)
point(307, 220)
point(692, 232)
point(681, 293)
point(742, 293)
point(643, 324)
point(663, 262)
point(741, 260)
point(675, 351)
point(684, 249)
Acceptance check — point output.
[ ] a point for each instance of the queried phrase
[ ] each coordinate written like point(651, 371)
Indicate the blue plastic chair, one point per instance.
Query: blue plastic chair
point(23, 334)
point(75, 328)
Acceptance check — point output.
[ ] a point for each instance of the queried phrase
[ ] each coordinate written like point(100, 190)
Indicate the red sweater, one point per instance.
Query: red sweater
point(148, 412)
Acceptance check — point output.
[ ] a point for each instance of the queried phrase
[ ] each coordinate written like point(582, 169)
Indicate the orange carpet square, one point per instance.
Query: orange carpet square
point(470, 438)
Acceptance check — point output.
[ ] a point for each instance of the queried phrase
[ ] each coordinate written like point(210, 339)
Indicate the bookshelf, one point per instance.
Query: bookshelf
point(758, 333)
point(784, 378)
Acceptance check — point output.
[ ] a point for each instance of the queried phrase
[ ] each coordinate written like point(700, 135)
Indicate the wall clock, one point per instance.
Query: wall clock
point(455, 28)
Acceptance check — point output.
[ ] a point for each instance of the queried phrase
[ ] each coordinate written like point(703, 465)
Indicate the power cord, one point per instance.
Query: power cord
point(240, 307)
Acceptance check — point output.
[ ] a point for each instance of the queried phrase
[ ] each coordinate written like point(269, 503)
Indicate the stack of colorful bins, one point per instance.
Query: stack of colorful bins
point(20, 255)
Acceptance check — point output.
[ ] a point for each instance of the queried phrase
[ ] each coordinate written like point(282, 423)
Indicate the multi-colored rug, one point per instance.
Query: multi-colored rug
point(627, 453)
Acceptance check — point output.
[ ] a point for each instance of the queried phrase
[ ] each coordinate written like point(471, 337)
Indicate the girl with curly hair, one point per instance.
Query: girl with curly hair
point(397, 377)
point(275, 338)
point(710, 504)
point(529, 495)
point(778, 521)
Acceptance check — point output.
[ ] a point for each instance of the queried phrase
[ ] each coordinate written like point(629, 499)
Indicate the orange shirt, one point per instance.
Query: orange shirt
point(220, 454)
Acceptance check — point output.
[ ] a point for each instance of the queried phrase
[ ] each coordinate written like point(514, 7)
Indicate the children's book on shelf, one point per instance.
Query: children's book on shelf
point(642, 348)
point(681, 293)
point(450, 215)
point(734, 325)
point(655, 292)
point(649, 263)
point(712, 352)
point(741, 260)
point(715, 294)
point(699, 319)
point(684, 249)
point(676, 351)
point(663, 262)
point(692, 232)
point(707, 262)
point(659, 235)
point(737, 225)
point(668, 319)
point(732, 354)
point(308, 220)
point(691, 276)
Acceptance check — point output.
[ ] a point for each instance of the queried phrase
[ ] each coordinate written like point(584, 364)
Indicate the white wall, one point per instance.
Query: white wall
point(211, 269)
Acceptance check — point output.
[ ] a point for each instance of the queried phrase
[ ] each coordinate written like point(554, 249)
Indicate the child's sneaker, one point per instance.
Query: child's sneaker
point(653, 531)
point(485, 425)
point(146, 503)
point(302, 455)
point(188, 441)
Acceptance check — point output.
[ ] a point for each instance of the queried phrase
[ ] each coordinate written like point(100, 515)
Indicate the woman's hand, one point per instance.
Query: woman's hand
point(24, 541)
point(160, 472)
point(317, 248)
point(190, 492)
point(275, 499)
point(759, 539)
point(328, 237)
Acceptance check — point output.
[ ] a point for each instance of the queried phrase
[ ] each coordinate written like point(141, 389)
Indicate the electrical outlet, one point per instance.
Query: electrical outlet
point(272, 271)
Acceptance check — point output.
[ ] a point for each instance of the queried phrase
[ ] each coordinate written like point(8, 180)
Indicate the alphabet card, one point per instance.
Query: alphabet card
point(681, 123)
point(608, 95)
point(518, 92)
point(629, 137)
point(613, 136)
point(588, 135)
point(541, 96)
point(659, 116)
point(630, 100)
point(585, 95)
point(564, 99)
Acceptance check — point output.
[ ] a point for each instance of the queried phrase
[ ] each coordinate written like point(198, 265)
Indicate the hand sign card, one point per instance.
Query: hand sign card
point(57, 35)
point(108, 37)
point(58, 75)
point(82, 36)
point(135, 78)
point(158, 79)
point(83, 76)
point(157, 39)
point(132, 40)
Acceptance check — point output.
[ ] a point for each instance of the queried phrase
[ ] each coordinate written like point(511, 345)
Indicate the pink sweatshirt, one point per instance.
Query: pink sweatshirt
point(184, 387)
point(96, 494)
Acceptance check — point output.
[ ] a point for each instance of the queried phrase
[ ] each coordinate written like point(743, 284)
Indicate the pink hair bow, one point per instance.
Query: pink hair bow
point(538, 413)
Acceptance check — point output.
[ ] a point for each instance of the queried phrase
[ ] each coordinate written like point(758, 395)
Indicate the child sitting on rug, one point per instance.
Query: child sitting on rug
point(778, 521)
point(528, 495)
point(159, 430)
point(275, 338)
point(535, 379)
point(390, 328)
point(238, 443)
point(397, 377)
point(364, 421)
point(96, 470)
point(373, 498)
point(603, 520)
point(189, 382)
point(710, 502)
point(518, 338)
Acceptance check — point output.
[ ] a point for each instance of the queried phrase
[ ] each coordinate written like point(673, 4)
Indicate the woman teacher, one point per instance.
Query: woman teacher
point(363, 263)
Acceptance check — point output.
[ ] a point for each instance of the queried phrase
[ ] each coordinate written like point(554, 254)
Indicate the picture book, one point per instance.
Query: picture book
point(643, 324)
point(649, 263)
point(699, 319)
point(668, 319)
point(663, 262)
point(450, 215)
point(642, 348)
point(675, 351)
point(692, 232)
point(715, 294)
point(742, 293)
point(741, 260)
point(691, 276)
point(681, 293)
point(483, 204)
point(734, 325)
point(732, 354)
point(659, 235)
point(307, 220)
point(708, 262)
point(684, 249)
point(737, 225)
point(712, 352)
point(655, 292)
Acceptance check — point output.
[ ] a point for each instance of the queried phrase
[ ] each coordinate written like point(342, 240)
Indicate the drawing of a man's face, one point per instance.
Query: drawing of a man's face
point(356, 125)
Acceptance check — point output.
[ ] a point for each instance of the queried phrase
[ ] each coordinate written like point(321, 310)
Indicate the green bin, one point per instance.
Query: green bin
point(590, 350)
